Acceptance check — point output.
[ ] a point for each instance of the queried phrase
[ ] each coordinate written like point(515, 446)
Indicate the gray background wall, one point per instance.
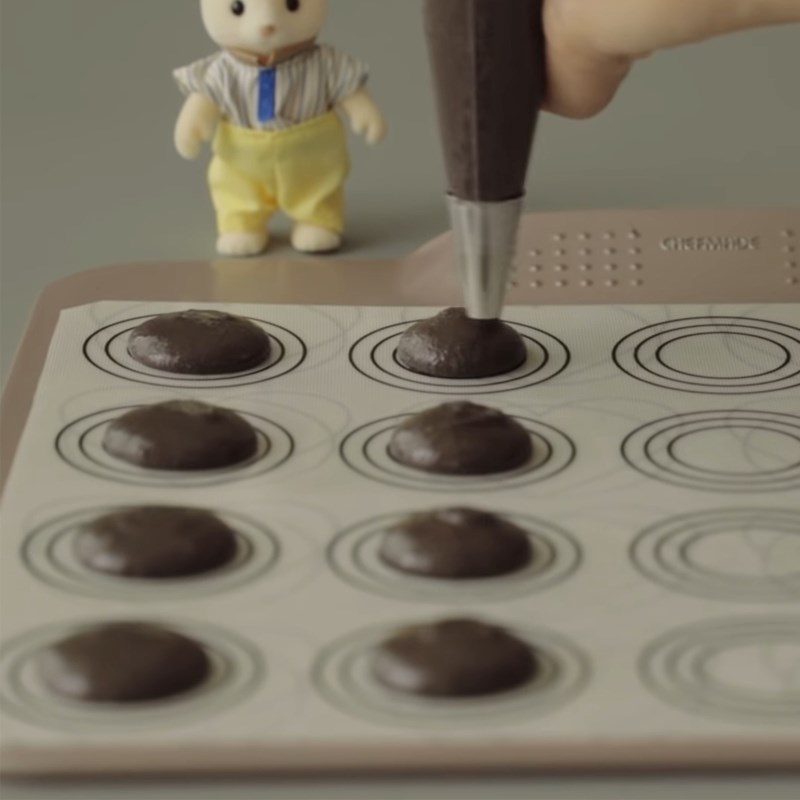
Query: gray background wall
point(89, 176)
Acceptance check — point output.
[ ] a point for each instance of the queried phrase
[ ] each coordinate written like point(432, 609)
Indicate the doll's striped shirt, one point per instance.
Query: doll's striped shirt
point(306, 86)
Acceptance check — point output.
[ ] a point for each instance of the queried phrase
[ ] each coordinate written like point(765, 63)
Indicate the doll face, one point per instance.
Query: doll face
point(263, 26)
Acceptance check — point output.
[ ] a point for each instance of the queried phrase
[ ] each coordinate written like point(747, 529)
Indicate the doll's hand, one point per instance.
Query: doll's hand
point(365, 117)
point(593, 44)
point(196, 125)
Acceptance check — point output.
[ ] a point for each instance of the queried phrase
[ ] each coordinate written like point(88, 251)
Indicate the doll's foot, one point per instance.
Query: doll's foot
point(313, 239)
point(242, 244)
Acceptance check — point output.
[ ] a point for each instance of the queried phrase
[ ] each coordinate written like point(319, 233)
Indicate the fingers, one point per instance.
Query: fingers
point(581, 83)
point(585, 65)
point(592, 44)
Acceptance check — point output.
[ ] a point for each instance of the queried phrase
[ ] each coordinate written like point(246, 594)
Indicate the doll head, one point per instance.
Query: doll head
point(263, 26)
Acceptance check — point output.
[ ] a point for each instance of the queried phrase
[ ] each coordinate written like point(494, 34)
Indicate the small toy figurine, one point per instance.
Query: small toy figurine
point(269, 100)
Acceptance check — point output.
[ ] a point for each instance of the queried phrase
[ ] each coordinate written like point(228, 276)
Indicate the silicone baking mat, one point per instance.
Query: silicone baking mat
point(662, 505)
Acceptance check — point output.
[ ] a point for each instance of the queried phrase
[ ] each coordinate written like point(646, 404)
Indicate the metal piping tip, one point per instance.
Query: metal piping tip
point(486, 243)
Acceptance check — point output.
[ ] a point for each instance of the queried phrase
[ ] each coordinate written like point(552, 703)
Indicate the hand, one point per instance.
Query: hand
point(593, 44)
point(365, 117)
point(196, 125)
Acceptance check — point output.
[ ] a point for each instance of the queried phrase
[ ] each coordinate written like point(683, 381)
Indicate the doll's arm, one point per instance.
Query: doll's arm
point(365, 117)
point(196, 125)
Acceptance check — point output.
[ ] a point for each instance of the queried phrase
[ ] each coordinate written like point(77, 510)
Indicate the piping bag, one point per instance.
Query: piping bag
point(489, 74)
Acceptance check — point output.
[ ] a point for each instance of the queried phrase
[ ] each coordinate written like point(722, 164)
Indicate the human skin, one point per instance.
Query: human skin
point(594, 44)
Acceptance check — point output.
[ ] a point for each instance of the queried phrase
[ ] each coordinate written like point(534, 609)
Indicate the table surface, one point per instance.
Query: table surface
point(90, 178)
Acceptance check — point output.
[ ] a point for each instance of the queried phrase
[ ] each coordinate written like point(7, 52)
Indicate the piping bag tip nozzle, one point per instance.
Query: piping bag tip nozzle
point(486, 243)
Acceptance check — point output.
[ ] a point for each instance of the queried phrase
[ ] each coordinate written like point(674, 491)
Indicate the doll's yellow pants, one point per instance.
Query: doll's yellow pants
point(301, 171)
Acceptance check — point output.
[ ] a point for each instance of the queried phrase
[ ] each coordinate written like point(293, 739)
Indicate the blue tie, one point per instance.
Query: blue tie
point(266, 95)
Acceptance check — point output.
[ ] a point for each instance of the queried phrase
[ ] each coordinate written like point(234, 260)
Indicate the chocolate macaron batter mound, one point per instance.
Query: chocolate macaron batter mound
point(461, 439)
point(452, 345)
point(156, 542)
point(181, 435)
point(199, 343)
point(454, 658)
point(456, 544)
point(123, 662)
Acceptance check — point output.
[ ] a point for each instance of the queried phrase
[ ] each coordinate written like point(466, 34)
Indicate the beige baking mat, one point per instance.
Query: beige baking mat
point(663, 505)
